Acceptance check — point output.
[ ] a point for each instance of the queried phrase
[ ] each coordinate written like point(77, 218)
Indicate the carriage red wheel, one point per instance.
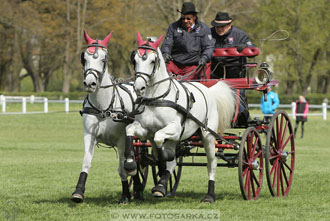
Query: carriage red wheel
point(250, 164)
point(280, 154)
point(174, 180)
point(142, 170)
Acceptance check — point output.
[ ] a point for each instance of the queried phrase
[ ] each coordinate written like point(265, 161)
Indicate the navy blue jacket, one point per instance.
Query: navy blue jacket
point(186, 48)
point(232, 38)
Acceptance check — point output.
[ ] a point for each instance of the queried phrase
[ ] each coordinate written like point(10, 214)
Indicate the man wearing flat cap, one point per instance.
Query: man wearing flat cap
point(228, 36)
point(188, 44)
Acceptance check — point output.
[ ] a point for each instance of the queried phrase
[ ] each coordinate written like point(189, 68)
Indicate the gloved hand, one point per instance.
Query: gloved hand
point(240, 47)
point(167, 58)
point(202, 61)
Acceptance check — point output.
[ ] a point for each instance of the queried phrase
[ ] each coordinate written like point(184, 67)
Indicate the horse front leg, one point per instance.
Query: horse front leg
point(137, 185)
point(170, 133)
point(89, 144)
point(166, 140)
point(209, 146)
point(134, 129)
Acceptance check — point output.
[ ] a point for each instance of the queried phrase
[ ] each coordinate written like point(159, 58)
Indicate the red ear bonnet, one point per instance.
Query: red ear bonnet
point(154, 45)
point(90, 41)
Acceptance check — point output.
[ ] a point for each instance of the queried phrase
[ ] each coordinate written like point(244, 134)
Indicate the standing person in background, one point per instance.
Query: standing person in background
point(188, 45)
point(269, 106)
point(301, 114)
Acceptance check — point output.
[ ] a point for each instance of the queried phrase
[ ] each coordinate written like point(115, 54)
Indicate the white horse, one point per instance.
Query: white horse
point(105, 106)
point(174, 111)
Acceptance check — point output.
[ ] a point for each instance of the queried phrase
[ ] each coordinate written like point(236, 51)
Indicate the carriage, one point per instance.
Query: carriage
point(275, 156)
point(110, 108)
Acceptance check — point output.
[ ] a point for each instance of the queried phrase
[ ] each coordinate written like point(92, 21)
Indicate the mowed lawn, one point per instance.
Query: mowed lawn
point(40, 162)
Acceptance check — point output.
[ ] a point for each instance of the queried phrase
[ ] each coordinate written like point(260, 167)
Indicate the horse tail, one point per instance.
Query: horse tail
point(225, 99)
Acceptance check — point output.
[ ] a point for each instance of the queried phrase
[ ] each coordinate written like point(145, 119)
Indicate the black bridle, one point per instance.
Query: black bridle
point(144, 57)
point(116, 115)
point(99, 74)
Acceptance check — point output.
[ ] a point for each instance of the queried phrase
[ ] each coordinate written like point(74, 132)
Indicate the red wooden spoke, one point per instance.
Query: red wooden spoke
point(247, 180)
point(278, 170)
point(274, 166)
point(255, 145)
point(257, 155)
point(252, 184)
point(245, 171)
point(275, 173)
point(283, 136)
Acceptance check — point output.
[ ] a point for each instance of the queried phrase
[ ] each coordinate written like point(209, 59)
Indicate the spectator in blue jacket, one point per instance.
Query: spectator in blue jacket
point(269, 106)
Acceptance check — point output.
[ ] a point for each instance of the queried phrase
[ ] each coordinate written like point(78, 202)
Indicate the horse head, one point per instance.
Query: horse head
point(146, 60)
point(94, 61)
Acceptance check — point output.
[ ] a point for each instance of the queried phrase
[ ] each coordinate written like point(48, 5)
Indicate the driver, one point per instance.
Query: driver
point(228, 36)
point(188, 43)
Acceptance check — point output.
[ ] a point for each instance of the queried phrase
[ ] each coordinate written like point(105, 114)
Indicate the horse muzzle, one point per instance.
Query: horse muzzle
point(140, 87)
point(90, 82)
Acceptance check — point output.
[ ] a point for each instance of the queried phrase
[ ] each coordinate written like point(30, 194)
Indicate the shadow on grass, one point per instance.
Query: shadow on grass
point(106, 199)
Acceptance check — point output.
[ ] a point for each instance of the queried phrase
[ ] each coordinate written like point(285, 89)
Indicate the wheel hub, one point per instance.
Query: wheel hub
point(284, 156)
point(255, 165)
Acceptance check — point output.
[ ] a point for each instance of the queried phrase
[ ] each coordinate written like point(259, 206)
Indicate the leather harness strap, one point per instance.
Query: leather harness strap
point(183, 111)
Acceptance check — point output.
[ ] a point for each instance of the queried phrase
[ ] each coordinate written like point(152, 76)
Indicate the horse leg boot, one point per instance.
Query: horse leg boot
point(125, 196)
point(210, 197)
point(137, 188)
point(130, 164)
point(78, 194)
point(161, 188)
point(166, 154)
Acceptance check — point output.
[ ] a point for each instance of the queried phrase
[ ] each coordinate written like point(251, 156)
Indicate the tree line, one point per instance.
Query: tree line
point(42, 39)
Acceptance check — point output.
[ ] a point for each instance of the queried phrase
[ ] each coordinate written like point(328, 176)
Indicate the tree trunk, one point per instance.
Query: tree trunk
point(67, 74)
point(16, 66)
point(289, 87)
point(311, 69)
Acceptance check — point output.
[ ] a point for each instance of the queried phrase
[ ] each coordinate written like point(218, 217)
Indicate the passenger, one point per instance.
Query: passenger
point(228, 36)
point(188, 44)
point(301, 114)
point(269, 106)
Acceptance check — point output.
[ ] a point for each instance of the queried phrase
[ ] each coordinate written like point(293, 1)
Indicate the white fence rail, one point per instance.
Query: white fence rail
point(32, 99)
point(17, 99)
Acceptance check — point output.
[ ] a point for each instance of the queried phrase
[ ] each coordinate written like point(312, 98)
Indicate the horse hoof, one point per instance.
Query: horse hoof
point(208, 199)
point(77, 198)
point(124, 200)
point(131, 173)
point(159, 191)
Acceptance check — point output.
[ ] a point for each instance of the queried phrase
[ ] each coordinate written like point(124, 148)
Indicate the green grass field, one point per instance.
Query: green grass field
point(41, 156)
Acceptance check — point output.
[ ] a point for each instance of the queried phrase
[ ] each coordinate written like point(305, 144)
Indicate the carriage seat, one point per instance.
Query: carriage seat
point(236, 66)
point(232, 52)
